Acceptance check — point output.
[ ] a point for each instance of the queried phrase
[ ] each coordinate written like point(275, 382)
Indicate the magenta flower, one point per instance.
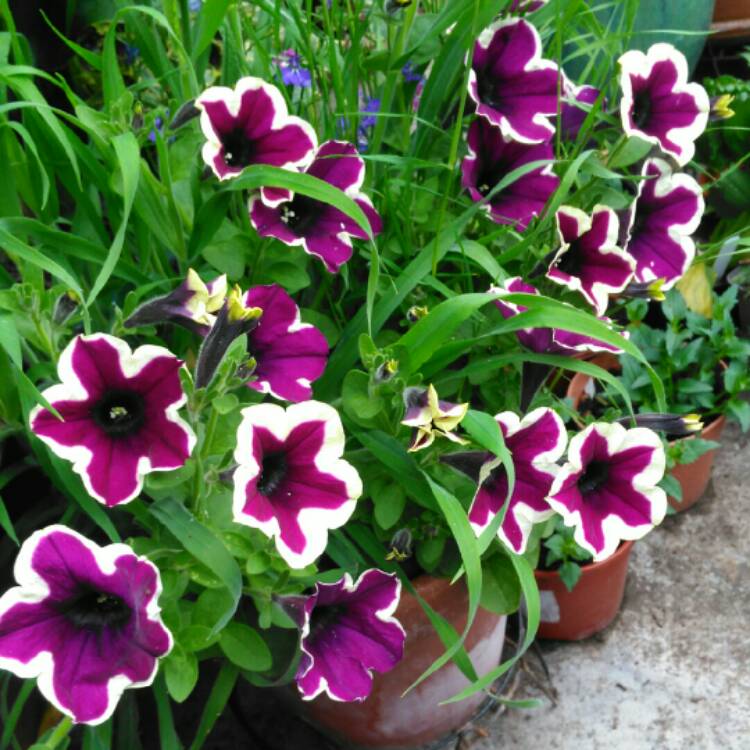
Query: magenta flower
point(546, 340)
point(607, 489)
point(513, 87)
point(119, 411)
point(250, 124)
point(320, 229)
point(491, 158)
point(658, 104)
point(589, 260)
point(535, 443)
point(347, 631)
point(666, 212)
point(84, 620)
point(287, 355)
point(575, 106)
point(291, 482)
point(193, 304)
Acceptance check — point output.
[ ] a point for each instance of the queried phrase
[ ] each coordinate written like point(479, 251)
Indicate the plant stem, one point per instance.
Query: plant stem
point(61, 731)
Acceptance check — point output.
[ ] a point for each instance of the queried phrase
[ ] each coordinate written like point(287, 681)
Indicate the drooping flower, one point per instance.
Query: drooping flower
point(84, 620)
point(666, 212)
point(347, 631)
point(491, 158)
point(721, 107)
point(193, 304)
point(589, 260)
point(287, 355)
point(119, 415)
point(234, 319)
point(535, 443)
point(292, 72)
point(658, 104)
point(250, 124)
point(546, 340)
point(319, 228)
point(429, 417)
point(575, 106)
point(291, 482)
point(513, 87)
point(607, 489)
point(675, 425)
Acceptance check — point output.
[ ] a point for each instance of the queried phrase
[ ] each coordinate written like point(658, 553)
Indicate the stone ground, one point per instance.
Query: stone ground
point(671, 673)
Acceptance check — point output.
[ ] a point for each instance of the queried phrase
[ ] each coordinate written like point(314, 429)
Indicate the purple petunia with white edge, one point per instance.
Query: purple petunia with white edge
point(291, 482)
point(660, 223)
point(513, 88)
point(589, 260)
point(658, 104)
point(287, 354)
point(535, 442)
point(608, 488)
point(347, 631)
point(574, 108)
point(84, 620)
point(319, 228)
point(491, 158)
point(119, 415)
point(250, 124)
point(546, 340)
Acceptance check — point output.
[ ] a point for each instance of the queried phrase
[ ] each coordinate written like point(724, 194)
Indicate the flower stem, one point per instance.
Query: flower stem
point(61, 731)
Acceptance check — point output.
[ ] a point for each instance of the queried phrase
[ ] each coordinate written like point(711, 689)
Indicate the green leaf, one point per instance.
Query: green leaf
point(356, 399)
point(129, 161)
point(570, 574)
point(244, 647)
point(671, 486)
point(260, 175)
point(501, 590)
point(205, 547)
point(168, 739)
point(217, 700)
point(209, 19)
point(390, 502)
point(7, 524)
point(181, 673)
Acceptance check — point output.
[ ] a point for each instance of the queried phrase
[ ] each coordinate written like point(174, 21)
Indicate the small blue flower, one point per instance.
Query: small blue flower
point(371, 104)
point(410, 75)
point(292, 72)
point(195, 5)
point(158, 125)
point(132, 53)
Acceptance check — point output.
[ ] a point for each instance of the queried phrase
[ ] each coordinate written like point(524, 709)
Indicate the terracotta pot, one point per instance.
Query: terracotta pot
point(592, 604)
point(731, 18)
point(388, 720)
point(693, 477)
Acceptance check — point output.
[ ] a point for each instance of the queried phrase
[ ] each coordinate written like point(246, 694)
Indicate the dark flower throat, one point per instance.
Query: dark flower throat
point(272, 473)
point(594, 476)
point(238, 148)
point(641, 109)
point(120, 413)
point(96, 611)
point(322, 618)
point(301, 213)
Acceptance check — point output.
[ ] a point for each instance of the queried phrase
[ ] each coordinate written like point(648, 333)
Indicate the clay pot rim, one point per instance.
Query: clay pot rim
point(622, 551)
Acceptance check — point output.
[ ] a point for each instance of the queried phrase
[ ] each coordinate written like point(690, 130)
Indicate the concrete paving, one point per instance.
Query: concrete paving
point(673, 671)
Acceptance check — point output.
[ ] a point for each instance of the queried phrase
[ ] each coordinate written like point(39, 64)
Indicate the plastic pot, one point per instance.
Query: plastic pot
point(731, 18)
point(388, 720)
point(592, 604)
point(693, 477)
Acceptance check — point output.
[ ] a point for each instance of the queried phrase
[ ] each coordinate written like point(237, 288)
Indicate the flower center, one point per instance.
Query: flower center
point(322, 618)
point(487, 91)
point(301, 213)
point(120, 413)
point(272, 473)
point(238, 148)
point(641, 109)
point(96, 610)
point(594, 477)
point(570, 262)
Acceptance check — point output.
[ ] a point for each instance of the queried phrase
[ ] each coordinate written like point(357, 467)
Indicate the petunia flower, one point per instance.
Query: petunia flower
point(319, 228)
point(119, 415)
point(291, 482)
point(193, 304)
point(546, 340)
point(513, 88)
point(589, 260)
point(658, 104)
point(666, 212)
point(607, 489)
point(492, 158)
point(535, 443)
point(347, 631)
point(250, 124)
point(574, 108)
point(84, 620)
point(287, 355)
point(676, 425)
point(429, 417)
point(292, 72)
